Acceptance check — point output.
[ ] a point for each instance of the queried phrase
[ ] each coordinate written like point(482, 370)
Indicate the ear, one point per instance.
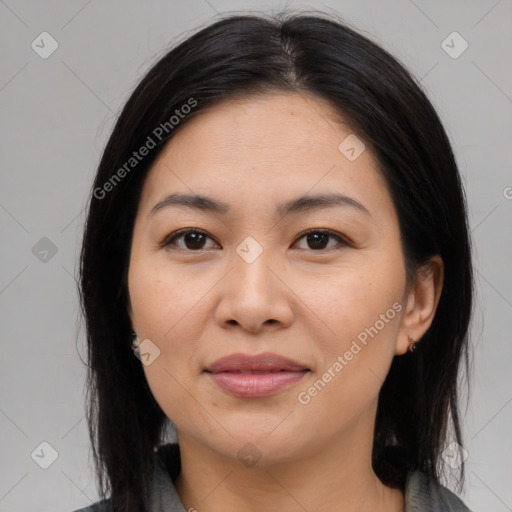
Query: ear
point(422, 301)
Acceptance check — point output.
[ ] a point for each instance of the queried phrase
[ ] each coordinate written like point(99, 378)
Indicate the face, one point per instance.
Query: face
point(246, 278)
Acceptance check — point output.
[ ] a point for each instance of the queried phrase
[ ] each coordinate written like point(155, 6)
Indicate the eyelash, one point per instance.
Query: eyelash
point(169, 240)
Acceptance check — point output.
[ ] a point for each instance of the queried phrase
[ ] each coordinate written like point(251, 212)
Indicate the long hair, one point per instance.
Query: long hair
point(384, 105)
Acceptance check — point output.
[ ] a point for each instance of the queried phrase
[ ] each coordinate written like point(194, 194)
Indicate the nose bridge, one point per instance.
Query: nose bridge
point(251, 273)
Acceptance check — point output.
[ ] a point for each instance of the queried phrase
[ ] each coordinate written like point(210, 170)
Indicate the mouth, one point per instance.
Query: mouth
point(256, 384)
point(246, 376)
point(251, 372)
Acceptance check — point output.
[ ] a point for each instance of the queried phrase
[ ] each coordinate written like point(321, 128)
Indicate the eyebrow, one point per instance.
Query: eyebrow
point(294, 206)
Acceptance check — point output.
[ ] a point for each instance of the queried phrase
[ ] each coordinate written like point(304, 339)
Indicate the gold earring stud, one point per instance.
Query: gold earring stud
point(412, 344)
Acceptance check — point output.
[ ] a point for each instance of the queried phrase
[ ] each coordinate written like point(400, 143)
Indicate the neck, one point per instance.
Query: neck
point(338, 478)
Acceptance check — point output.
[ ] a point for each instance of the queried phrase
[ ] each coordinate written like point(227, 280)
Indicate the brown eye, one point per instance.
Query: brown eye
point(317, 240)
point(193, 239)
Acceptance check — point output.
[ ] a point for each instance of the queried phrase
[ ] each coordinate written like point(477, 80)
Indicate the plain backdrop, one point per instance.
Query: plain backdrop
point(56, 115)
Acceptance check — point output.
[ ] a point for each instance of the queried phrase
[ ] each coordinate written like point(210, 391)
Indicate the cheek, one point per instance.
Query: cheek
point(362, 308)
point(165, 309)
point(353, 298)
point(160, 299)
point(170, 307)
point(362, 311)
point(149, 298)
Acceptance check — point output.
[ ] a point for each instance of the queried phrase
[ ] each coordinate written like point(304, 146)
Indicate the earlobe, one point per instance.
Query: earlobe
point(422, 303)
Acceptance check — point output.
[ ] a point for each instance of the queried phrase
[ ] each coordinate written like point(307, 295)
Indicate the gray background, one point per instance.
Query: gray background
point(56, 116)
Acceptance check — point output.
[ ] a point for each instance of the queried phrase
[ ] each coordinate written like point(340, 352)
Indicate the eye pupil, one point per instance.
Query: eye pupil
point(313, 238)
point(193, 238)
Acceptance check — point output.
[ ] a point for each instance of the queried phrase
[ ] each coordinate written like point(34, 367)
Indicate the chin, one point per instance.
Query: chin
point(252, 446)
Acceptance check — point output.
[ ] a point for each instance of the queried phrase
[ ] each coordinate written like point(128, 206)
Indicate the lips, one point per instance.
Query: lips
point(242, 363)
point(247, 376)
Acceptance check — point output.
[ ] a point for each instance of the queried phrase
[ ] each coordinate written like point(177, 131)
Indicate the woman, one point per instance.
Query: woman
point(278, 232)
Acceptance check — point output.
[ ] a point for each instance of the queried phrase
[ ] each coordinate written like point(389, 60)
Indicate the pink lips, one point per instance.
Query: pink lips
point(247, 376)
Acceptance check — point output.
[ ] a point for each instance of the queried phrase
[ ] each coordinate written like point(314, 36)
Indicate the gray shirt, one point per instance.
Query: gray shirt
point(421, 495)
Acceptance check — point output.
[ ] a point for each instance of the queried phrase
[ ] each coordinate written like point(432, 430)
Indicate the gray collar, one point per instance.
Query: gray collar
point(422, 495)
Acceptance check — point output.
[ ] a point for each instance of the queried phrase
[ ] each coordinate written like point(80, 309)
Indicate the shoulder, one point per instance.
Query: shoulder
point(167, 467)
point(422, 494)
point(99, 506)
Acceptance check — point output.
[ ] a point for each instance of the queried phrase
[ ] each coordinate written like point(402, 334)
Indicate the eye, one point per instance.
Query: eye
point(193, 239)
point(317, 238)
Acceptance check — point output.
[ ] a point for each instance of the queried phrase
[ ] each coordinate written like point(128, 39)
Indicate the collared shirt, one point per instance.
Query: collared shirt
point(421, 494)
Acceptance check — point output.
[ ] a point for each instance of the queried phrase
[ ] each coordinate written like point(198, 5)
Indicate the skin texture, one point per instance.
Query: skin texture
point(200, 301)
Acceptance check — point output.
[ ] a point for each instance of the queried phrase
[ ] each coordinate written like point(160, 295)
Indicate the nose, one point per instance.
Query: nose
point(255, 295)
